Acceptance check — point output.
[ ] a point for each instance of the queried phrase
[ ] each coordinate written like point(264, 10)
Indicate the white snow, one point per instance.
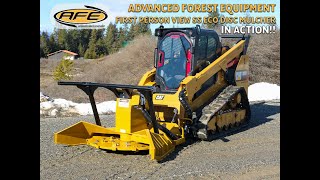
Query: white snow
point(46, 105)
point(44, 98)
point(103, 108)
point(51, 107)
point(263, 92)
point(64, 104)
point(53, 112)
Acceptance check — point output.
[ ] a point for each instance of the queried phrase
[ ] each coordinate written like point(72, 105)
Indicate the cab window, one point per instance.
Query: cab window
point(202, 47)
point(212, 46)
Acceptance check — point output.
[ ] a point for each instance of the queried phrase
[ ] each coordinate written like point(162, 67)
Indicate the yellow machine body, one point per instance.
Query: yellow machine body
point(133, 133)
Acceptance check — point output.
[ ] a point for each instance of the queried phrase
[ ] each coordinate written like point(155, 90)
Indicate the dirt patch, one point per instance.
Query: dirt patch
point(264, 54)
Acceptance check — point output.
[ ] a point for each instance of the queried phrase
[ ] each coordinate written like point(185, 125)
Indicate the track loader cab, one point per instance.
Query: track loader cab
point(182, 52)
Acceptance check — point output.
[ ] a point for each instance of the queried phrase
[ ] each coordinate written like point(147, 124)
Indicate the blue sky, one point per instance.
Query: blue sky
point(120, 8)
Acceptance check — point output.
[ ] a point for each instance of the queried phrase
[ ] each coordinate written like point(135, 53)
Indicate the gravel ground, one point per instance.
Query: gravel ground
point(253, 153)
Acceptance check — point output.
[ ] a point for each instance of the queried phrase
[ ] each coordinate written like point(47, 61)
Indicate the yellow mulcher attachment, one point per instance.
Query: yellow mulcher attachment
point(136, 128)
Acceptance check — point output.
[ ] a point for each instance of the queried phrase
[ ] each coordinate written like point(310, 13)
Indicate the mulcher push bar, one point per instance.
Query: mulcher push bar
point(121, 91)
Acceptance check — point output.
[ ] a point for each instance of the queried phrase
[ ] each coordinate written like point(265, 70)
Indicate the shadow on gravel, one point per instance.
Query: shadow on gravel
point(260, 113)
point(125, 153)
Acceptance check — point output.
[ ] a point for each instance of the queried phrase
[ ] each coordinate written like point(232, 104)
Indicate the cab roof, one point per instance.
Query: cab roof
point(189, 31)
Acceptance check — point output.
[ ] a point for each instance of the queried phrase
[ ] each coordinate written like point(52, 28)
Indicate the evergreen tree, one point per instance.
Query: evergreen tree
point(61, 38)
point(101, 48)
point(41, 48)
point(131, 35)
point(44, 43)
point(41, 52)
point(81, 50)
point(100, 33)
point(126, 31)
point(143, 28)
point(52, 43)
point(85, 35)
point(111, 38)
point(91, 51)
point(115, 46)
point(73, 40)
point(68, 41)
point(120, 39)
point(63, 70)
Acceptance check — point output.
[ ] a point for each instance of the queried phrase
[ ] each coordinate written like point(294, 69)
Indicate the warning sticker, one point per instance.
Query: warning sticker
point(241, 75)
point(123, 103)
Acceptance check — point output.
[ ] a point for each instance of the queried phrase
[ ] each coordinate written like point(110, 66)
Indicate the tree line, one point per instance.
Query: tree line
point(91, 43)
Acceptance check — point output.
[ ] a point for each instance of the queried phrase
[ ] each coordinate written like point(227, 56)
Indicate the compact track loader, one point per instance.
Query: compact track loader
point(197, 89)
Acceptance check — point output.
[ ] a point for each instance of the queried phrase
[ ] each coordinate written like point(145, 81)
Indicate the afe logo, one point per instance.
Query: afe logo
point(74, 17)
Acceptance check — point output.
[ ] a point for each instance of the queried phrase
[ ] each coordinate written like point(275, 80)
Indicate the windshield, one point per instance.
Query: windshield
point(172, 70)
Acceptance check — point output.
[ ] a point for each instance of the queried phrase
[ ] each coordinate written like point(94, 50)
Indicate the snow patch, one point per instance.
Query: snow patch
point(46, 105)
point(44, 98)
point(62, 107)
point(64, 104)
point(53, 112)
point(106, 107)
point(263, 92)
